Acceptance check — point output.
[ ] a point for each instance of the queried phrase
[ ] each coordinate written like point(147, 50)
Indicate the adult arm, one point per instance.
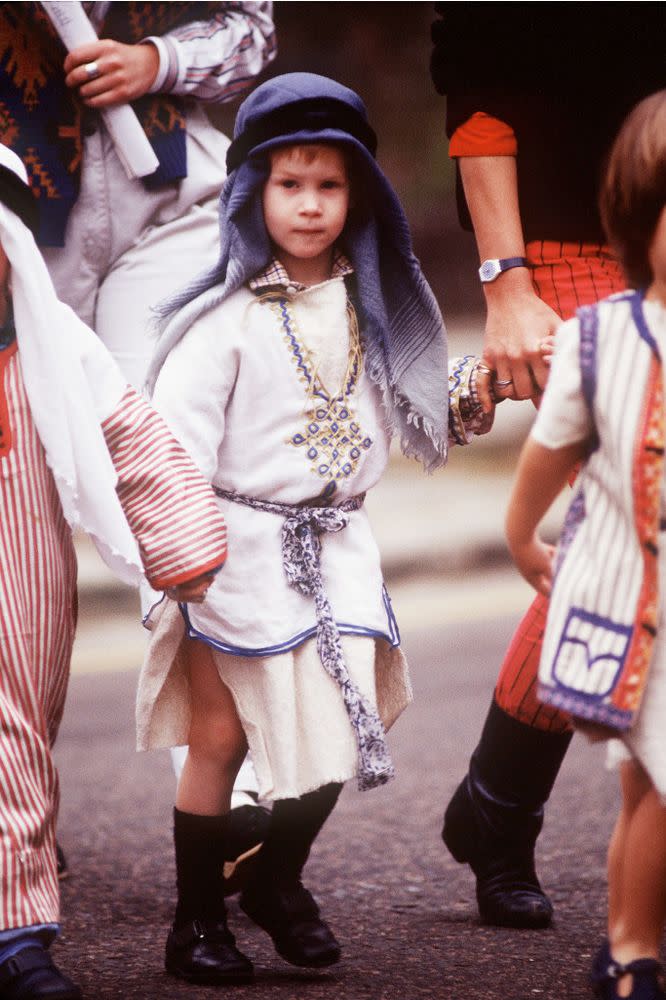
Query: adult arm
point(483, 59)
point(517, 321)
point(213, 60)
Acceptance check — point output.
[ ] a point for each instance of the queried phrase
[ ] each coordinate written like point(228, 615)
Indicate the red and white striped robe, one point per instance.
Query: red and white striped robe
point(180, 532)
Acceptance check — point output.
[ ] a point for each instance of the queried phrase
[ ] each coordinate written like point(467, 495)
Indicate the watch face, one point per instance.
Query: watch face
point(489, 270)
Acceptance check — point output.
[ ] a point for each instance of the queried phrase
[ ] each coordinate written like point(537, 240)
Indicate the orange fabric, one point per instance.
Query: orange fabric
point(647, 485)
point(569, 275)
point(516, 690)
point(566, 276)
point(483, 135)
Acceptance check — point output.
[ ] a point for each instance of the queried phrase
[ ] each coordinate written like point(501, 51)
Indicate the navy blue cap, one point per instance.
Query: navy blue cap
point(299, 108)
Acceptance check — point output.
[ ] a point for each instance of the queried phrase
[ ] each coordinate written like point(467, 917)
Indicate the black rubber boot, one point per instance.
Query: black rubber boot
point(496, 814)
point(276, 899)
point(200, 947)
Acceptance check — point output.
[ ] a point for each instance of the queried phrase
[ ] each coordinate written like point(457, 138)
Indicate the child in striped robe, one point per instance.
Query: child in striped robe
point(78, 447)
point(604, 653)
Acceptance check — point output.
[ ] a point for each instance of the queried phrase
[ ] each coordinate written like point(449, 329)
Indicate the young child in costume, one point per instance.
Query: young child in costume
point(78, 447)
point(604, 655)
point(285, 372)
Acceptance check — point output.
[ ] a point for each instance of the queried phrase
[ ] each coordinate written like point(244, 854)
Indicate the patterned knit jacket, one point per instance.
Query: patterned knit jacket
point(41, 118)
point(604, 608)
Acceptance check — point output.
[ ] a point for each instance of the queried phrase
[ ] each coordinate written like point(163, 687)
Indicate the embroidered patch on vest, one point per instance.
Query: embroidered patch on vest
point(590, 654)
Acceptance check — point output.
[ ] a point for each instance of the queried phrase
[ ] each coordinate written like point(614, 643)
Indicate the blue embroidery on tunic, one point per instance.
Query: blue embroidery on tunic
point(333, 440)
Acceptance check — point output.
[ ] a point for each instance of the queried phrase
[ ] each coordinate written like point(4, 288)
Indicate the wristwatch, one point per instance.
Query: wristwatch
point(491, 269)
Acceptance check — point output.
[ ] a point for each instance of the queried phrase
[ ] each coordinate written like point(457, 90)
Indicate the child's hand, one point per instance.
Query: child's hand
point(192, 591)
point(534, 559)
point(546, 348)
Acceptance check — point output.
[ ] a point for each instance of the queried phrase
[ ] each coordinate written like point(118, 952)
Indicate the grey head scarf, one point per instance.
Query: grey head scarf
point(401, 325)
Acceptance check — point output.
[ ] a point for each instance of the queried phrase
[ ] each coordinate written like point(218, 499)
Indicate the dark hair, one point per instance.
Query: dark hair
point(633, 193)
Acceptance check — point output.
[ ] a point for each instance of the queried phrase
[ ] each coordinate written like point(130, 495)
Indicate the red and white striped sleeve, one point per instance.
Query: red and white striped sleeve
point(171, 509)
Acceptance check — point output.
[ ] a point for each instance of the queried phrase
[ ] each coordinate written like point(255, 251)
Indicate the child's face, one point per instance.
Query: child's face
point(305, 205)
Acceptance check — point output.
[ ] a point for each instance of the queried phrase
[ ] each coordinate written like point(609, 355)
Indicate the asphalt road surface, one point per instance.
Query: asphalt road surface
point(402, 909)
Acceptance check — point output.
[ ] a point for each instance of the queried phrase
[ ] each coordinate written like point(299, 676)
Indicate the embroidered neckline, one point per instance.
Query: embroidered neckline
point(333, 440)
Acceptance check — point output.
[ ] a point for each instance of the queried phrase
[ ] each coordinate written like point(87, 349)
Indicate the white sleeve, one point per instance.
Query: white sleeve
point(193, 389)
point(564, 417)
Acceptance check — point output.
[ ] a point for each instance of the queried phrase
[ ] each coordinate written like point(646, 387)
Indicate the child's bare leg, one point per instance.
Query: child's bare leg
point(637, 873)
point(200, 947)
point(634, 784)
point(217, 744)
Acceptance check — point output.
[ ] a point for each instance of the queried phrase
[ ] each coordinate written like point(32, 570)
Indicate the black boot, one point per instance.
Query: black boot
point(200, 947)
point(276, 899)
point(496, 814)
point(248, 826)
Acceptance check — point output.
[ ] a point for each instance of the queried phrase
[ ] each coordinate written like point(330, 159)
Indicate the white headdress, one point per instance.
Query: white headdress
point(72, 383)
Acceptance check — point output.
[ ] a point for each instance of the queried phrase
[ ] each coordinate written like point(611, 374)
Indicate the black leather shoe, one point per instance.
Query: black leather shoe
point(248, 826)
point(291, 917)
point(204, 952)
point(31, 975)
point(508, 892)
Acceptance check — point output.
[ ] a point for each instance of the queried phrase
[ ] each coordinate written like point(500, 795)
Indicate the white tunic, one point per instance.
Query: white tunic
point(246, 393)
point(265, 398)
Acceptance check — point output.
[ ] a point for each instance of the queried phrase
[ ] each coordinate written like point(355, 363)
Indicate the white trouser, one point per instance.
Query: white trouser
point(128, 248)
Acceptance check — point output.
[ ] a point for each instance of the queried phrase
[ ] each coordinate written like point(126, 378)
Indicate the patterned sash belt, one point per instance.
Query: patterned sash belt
point(301, 552)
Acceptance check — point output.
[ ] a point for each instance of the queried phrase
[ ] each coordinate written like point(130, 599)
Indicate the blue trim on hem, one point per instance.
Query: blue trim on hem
point(345, 628)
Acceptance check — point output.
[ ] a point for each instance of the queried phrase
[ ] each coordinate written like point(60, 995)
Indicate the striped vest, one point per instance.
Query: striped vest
point(604, 606)
point(41, 118)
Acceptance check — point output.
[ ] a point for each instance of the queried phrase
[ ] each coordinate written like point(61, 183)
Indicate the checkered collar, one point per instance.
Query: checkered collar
point(275, 274)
